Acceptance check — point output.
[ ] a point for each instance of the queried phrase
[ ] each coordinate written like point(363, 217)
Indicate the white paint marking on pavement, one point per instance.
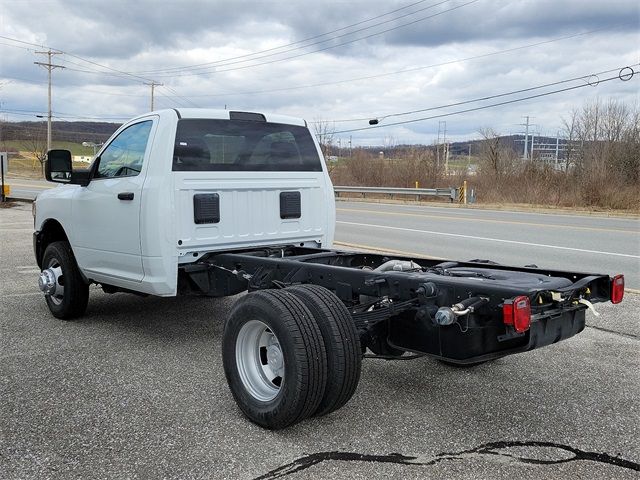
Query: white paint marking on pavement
point(486, 239)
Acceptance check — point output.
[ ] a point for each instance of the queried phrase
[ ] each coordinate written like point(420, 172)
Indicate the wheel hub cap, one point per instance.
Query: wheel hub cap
point(47, 281)
point(51, 283)
point(275, 360)
point(260, 360)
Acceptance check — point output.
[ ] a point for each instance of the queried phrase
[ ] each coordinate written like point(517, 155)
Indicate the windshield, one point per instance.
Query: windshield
point(237, 145)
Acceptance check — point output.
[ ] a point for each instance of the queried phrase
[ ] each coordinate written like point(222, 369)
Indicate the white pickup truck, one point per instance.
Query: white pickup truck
point(216, 202)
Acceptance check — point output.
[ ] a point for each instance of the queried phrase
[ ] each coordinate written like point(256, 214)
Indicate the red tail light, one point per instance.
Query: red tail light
point(617, 288)
point(517, 313)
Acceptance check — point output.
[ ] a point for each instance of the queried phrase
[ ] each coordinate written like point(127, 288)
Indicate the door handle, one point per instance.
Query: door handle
point(125, 196)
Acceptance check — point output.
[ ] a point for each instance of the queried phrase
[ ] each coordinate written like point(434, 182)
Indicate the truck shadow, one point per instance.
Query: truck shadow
point(178, 317)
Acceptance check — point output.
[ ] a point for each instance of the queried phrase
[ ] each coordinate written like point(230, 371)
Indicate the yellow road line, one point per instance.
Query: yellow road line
point(458, 218)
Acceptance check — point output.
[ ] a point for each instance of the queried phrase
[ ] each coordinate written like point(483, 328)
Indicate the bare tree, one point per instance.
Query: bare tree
point(570, 130)
point(36, 145)
point(324, 131)
point(496, 158)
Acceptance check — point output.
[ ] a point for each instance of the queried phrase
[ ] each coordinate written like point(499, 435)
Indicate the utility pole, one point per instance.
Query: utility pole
point(440, 124)
point(526, 138)
point(446, 149)
point(153, 85)
point(533, 136)
point(557, 147)
point(350, 146)
point(446, 158)
point(49, 66)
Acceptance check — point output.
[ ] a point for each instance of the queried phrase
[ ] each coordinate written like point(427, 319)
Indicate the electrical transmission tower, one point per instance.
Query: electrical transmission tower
point(526, 138)
point(49, 66)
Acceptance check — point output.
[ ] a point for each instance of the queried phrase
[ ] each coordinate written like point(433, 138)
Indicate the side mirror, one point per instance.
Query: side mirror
point(58, 166)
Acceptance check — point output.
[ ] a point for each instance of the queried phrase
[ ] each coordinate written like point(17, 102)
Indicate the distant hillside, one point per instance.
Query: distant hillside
point(77, 132)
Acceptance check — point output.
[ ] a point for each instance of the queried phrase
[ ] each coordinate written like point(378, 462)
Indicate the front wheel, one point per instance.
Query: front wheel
point(65, 291)
point(274, 358)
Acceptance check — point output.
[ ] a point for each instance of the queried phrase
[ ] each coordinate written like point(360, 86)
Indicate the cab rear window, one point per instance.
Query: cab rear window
point(238, 145)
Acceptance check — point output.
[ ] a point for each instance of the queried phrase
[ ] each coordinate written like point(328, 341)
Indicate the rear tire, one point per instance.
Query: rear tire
point(72, 303)
point(344, 356)
point(274, 358)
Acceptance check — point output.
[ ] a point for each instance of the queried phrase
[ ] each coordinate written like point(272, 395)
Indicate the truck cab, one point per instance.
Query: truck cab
point(173, 185)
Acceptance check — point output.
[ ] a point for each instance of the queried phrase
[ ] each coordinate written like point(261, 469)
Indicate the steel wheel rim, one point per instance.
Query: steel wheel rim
point(58, 295)
point(260, 360)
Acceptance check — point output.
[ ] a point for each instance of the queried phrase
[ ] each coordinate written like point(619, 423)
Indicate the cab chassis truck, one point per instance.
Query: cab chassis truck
point(216, 203)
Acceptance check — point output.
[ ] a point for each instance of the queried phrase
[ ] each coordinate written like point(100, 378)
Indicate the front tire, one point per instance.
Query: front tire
point(274, 358)
point(70, 294)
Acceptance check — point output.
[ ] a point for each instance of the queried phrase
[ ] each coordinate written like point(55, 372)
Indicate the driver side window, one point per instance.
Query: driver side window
point(124, 155)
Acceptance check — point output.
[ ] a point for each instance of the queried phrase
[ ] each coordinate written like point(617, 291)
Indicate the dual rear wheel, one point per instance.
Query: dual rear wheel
point(290, 354)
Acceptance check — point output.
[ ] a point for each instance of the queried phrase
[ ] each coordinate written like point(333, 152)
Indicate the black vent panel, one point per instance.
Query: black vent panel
point(290, 205)
point(206, 208)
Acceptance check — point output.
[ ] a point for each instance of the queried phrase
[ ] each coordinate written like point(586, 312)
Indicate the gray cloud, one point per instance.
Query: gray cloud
point(145, 35)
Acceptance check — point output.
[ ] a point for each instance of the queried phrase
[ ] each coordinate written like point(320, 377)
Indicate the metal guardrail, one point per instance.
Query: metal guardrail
point(451, 193)
point(24, 192)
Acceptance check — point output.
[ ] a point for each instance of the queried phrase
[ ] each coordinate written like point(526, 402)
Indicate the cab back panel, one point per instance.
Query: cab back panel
point(249, 209)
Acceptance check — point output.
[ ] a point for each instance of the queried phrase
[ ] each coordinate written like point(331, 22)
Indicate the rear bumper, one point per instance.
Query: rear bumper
point(479, 344)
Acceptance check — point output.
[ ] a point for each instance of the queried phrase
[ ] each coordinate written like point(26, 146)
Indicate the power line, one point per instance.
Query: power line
point(127, 74)
point(133, 75)
point(589, 78)
point(60, 115)
point(188, 74)
point(185, 99)
point(292, 43)
point(620, 76)
point(285, 89)
point(232, 60)
point(398, 72)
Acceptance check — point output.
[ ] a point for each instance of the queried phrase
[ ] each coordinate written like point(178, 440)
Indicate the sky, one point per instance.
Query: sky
point(336, 63)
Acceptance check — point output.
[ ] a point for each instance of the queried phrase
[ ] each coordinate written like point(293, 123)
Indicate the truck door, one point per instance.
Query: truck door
point(106, 213)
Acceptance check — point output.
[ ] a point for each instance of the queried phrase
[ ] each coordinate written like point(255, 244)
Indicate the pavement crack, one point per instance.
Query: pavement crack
point(614, 332)
point(497, 450)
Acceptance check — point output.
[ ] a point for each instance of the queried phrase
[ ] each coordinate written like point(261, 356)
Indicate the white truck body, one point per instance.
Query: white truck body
point(137, 243)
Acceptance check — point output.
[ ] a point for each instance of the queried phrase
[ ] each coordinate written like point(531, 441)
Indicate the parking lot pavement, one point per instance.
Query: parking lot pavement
point(136, 390)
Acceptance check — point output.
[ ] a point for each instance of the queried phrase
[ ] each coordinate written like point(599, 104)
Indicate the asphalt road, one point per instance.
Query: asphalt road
point(26, 189)
point(579, 243)
point(136, 390)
